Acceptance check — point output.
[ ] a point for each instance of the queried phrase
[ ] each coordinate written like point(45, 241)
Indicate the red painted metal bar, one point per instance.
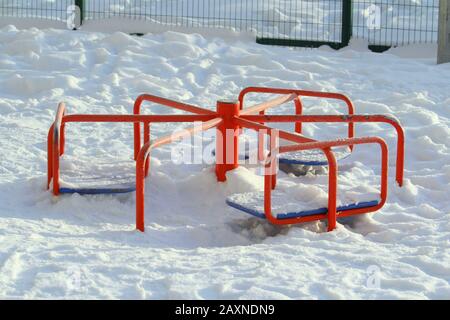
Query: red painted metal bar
point(56, 140)
point(261, 142)
point(147, 140)
point(143, 155)
point(261, 136)
point(400, 161)
point(136, 118)
point(268, 104)
point(303, 93)
point(294, 137)
point(50, 155)
point(62, 138)
point(332, 197)
point(55, 144)
point(274, 145)
point(298, 112)
point(324, 145)
point(164, 102)
point(270, 177)
point(332, 166)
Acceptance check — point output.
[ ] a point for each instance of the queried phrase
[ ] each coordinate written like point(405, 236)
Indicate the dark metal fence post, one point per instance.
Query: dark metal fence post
point(347, 22)
point(444, 32)
point(80, 4)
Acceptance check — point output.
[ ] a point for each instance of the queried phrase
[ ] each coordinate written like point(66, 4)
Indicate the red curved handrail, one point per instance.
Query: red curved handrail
point(268, 104)
point(56, 135)
point(142, 167)
point(332, 163)
point(257, 126)
point(130, 118)
point(164, 102)
point(301, 93)
point(388, 119)
point(298, 103)
point(332, 184)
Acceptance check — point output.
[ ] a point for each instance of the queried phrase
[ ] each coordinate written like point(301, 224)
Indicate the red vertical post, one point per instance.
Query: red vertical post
point(137, 127)
point(274, 145)
point(332, 189)
point(298, 112)
point(140, 190)
point(227, 139)
point(50, 156)
point(55, 161)
point(261, 141)
point(62, 138)
point(147, 140)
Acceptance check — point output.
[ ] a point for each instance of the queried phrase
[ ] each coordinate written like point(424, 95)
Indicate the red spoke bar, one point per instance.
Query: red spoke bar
point(347, 119)
point(161, 101)
point(56, 136)
point(142, 168)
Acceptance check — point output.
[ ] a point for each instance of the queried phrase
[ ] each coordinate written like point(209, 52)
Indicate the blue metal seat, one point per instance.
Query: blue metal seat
point(83, 180)
point(312, 157)
point(99, 190)
point(284, 207)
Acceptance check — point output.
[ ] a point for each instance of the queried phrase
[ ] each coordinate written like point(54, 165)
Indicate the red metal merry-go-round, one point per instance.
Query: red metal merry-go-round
point(234, 116)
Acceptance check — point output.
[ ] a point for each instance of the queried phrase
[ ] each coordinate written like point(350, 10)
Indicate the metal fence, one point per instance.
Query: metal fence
point(306, 20)
point(51, 10)
point(396, 22)
point(284, 22)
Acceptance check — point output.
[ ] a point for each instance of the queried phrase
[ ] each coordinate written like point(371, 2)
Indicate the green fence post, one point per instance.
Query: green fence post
point(80, 4)
point(347, 22)
point(444, 32)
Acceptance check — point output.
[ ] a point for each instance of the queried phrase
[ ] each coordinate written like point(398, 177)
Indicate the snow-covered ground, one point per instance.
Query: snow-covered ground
point(195, 246)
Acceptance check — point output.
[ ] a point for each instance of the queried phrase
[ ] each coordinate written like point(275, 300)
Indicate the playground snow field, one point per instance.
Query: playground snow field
point(195, 246)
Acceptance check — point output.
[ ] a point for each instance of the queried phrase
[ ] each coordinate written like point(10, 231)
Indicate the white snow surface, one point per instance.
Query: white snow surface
point(195, 246)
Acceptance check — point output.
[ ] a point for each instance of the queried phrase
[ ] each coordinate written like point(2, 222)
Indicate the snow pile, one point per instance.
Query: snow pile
point(195, 246)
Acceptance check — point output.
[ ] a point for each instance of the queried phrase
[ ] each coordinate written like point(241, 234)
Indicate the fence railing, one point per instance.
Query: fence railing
point(51, 10)
point(396, 22)
point(308, 23)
